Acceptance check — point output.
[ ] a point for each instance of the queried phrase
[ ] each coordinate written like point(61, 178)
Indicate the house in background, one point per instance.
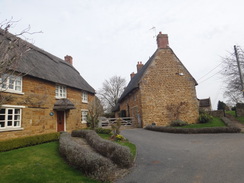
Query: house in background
point(45, 94)
point(205, 104)
point(161, 91)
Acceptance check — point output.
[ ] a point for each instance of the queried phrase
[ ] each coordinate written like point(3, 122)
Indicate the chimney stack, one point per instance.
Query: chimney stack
point(132, 75)
point(162, 40)
point(139, 66)
point(68, 59)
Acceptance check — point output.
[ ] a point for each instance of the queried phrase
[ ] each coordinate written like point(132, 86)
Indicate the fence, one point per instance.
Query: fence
point(105, 122)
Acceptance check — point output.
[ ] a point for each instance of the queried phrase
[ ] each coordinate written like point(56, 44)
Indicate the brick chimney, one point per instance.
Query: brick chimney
point(162, 40)
point(68, 59)
point(132, 75)
point(139, 66)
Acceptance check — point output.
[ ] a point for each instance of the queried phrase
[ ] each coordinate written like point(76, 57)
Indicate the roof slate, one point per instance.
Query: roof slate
point(41, 64)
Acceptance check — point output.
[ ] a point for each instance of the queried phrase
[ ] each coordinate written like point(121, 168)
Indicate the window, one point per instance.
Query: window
point(60, 91)
point(11, 83)
point(84, 97)
point(10, 118)
point(84, 116)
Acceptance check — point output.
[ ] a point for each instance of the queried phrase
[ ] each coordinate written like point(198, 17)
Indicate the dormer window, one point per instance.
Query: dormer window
point(11, 83)
point(84, 97)
point(60, 91)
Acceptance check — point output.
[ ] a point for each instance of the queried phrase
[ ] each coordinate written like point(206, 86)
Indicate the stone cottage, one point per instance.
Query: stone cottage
point(41, 94)
point(161, 91)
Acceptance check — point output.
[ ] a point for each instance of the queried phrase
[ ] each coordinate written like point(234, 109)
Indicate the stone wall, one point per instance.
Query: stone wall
point(39, 99)
point(239, 109)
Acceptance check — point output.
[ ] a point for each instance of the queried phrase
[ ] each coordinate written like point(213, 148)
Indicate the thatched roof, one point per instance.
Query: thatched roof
point(41, 64)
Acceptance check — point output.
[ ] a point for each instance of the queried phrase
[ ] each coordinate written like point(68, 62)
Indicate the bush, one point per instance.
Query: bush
point(11, 144)
point(81, 157)
point(118, 154)
point(103, 131)
point(204, 117)
point(178, 123)
point(194, 130)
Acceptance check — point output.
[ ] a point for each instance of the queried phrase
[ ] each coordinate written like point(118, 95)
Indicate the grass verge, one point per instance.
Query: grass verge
point(215, 122)
point(124, 143)
point(40, 163)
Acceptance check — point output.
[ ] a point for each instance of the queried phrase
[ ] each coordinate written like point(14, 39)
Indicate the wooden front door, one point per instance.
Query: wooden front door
point(60, 121)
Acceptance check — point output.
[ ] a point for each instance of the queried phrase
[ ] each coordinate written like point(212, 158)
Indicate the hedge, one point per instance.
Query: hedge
point(89, 162)
point(119, 154)
point(11, 144)
point(194, 130)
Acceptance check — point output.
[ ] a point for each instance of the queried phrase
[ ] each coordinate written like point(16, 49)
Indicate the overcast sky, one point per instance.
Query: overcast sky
point(108, 37)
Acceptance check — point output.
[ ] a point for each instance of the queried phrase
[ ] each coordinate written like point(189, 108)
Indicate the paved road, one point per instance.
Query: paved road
point(186, 158)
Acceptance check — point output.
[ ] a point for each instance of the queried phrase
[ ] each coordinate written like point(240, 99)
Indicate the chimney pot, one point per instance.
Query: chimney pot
point(139, 66)
point(132, 75)
point(68, 59)
point(162, 40)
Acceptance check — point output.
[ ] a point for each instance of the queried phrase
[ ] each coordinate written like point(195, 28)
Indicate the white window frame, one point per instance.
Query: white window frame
point(11, 117)
point(11, 83)
point(60, 91)
point(84, 97)
point(84, 113)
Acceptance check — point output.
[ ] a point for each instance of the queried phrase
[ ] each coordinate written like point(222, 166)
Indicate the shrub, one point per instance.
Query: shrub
point(119, 137)
point(7, 145)
point(194, 130)
point(103, 131)
point(204, 117)
point(81, 157)
point(107, 148)
point(178, 123)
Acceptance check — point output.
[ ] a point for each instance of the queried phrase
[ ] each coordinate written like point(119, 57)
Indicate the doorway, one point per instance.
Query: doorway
point(60, 121)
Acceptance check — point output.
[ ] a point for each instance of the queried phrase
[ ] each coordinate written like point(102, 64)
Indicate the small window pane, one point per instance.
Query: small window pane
point(9, 123)
point(2, 124)
point(2, 111)
point(10, 111)
point(16, 123)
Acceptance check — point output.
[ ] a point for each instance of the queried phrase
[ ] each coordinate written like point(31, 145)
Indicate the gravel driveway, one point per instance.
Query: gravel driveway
point(186, 158)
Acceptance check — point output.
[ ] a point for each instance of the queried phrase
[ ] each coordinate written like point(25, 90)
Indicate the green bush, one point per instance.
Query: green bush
point(204, 117)
point(118, 154)
point(178, 123)
point(103, 131)
point(7, 145)
point(194, 130)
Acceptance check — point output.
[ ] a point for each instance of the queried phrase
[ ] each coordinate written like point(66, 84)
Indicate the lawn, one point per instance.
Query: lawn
point(40, 163)
point(215, 122)
point(124, 143)
point(233, 113)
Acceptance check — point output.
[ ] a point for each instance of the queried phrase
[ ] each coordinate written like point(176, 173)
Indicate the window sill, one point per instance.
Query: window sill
point(85, 102)
point(12, 91)
point(84, 122)
point(60, 97)
point(11, 129)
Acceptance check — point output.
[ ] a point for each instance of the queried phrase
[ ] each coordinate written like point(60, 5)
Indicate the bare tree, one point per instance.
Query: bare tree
point(95, 109)
point(111, 91)
point(12, 49)
point(231, 77)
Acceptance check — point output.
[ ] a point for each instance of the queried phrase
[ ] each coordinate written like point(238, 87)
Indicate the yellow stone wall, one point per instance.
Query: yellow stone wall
point(39, 99)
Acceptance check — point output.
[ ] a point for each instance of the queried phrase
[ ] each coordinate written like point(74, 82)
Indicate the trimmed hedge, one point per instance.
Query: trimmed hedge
point(194, 130)
point(103, 130)
point(119, 154)
point(90, 163)
point(11, 144)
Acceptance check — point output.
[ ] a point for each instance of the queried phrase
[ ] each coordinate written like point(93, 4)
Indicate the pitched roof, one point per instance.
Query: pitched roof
point(205, 102)
point(134, 82)
point(41, 64)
